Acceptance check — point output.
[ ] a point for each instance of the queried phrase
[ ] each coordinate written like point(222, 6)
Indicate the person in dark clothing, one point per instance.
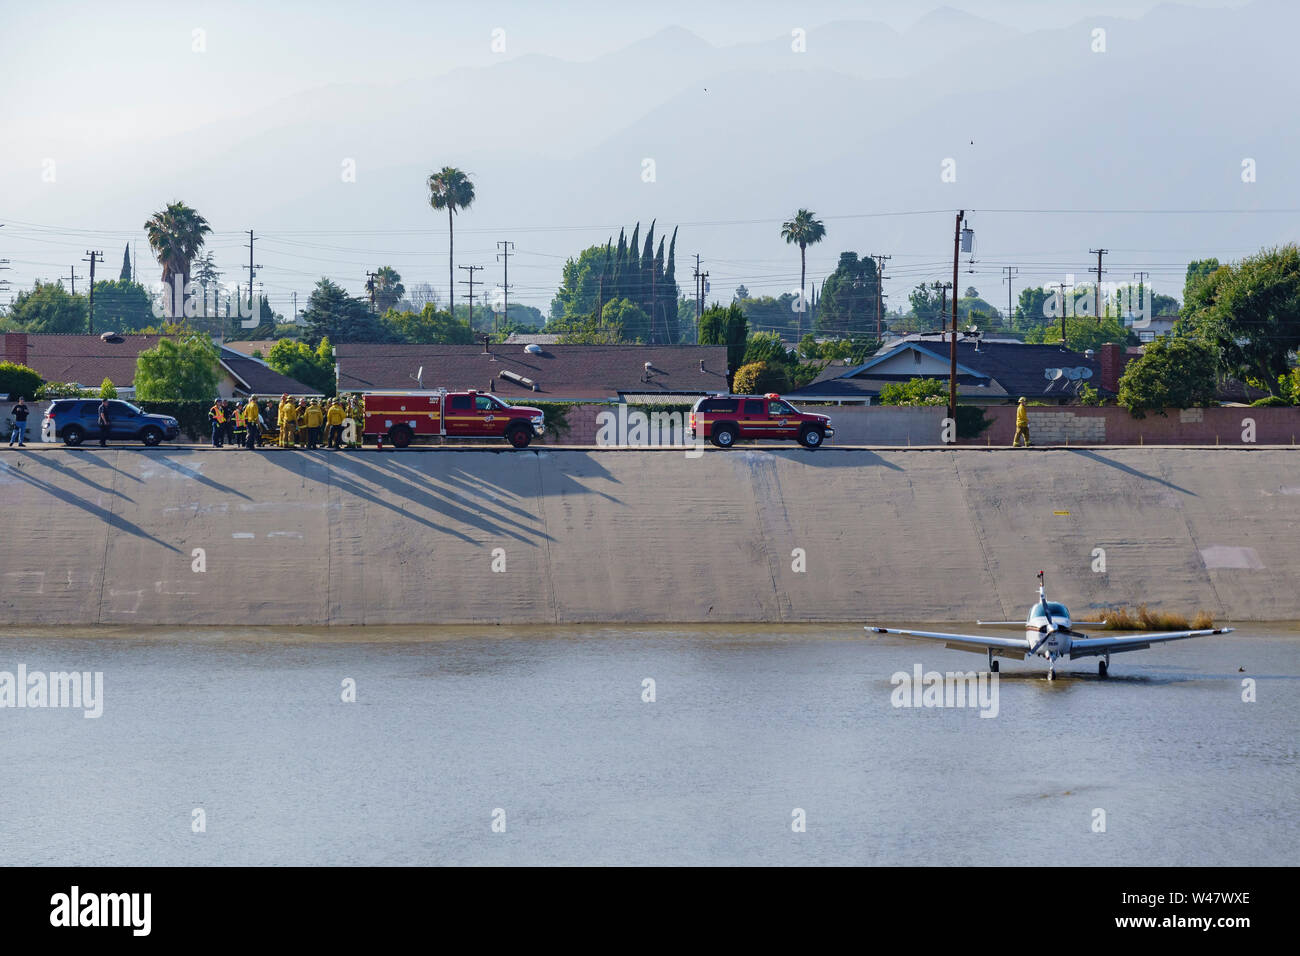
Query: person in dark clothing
point(104, 421)
point(230, 421)
point(20, 424)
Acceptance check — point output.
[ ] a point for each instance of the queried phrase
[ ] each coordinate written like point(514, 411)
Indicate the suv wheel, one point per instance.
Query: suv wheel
point(73, 436)
point(811, 437)
point(724, 436)
point(151, 436)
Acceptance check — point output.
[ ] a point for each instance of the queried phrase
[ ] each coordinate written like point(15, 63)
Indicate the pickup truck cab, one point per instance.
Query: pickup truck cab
point(399, 417)
point(726, 419)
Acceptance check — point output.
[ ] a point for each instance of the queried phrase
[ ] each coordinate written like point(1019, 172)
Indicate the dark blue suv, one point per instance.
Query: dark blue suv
point(76, 419)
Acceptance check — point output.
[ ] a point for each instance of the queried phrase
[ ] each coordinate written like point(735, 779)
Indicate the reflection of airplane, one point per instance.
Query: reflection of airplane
point(1049, 633)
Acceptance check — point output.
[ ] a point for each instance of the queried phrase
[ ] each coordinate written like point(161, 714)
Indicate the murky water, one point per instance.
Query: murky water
point(549, 725)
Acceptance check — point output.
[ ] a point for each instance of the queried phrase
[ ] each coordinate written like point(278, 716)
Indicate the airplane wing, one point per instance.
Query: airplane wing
point(1095, 646)
point(978, 643)
point(1000, 623)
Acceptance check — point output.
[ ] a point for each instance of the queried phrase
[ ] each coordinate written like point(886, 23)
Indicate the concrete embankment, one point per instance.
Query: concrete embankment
point(215, 537)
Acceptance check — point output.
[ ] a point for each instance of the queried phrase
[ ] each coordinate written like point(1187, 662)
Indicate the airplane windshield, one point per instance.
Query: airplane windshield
point(1058, 610)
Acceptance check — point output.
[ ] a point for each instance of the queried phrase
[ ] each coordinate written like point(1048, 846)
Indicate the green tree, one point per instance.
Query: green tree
point(1198, 270)
point(766, 313)
point(848, 302)
point(804, 230)
point(452, 190)
point(631, 271)
point(125, 275)
point(1249, 315)
point(107, 389)
point(766, 347)
point(585, 330)
point(124, 306)
point(759, 378)
point(726, 325)
point(1171, 373)
point(184, 370)
point(386, 288)
point(332, 313)
point(314, 367)
point(48, 307)
point(927, 305)
point(1032, 309)
point(18, 379)
point(428, 327)
point(176, 234)
point(1080, 333)
point(916, 391)
point(630, 317)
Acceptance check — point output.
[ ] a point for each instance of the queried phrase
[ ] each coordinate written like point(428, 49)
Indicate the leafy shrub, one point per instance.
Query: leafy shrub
point(18, 379)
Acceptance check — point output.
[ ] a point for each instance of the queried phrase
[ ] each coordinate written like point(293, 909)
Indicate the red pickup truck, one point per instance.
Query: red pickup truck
point(399, 416)
point(725, 419)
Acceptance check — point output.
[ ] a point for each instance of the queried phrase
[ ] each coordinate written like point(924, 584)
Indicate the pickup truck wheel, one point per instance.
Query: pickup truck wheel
point(73, 436)
point(400, 436)
point(151, 436)
point(724, 436)
point(811, 437)
point(519, 437)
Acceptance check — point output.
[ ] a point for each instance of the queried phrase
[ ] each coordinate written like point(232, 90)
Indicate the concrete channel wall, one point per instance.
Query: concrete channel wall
point(219, 537)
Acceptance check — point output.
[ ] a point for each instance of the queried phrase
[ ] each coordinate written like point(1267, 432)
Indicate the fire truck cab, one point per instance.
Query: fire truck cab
point(398, 417)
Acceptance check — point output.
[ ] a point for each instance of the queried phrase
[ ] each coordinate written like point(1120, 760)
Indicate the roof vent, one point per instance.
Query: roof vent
point(532, 348)
point(517, 378)
point(109, 337)
point(701, 365)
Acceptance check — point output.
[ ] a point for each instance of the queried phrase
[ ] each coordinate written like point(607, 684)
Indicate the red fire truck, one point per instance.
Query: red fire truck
point(397, 417)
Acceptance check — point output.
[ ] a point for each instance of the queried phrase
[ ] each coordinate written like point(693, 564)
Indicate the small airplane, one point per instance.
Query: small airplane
point(1050, 633)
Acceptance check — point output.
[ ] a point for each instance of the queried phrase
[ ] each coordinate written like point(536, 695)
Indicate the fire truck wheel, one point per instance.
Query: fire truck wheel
point(400, 436)
point(811, 437)
point(519, 437)
point(724, 436)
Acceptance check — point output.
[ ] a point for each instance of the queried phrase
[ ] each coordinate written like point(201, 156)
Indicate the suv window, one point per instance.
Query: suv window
point(460, 403)
point(725, 405)
point(754, 407)
point(123, 409)
point(485, 404)
point(90, 408)
point(780, 408)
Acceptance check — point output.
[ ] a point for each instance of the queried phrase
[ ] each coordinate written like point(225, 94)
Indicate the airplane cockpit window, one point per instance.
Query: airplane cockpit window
point(1058, 610)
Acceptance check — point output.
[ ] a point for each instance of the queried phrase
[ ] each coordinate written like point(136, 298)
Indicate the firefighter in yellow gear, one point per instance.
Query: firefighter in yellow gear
point(287, 420)
point(252, 421)
point(314, 417)
point(1022, 425)
point(334, 418)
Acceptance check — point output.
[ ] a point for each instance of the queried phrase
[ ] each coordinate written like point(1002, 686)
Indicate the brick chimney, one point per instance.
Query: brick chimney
point(16, 347)
point(1113, 359)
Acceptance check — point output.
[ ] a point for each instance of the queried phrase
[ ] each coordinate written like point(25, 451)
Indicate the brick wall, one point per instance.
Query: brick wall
point(1053, 425)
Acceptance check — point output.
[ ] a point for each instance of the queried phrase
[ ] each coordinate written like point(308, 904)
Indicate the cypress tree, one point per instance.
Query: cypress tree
point(126, 264)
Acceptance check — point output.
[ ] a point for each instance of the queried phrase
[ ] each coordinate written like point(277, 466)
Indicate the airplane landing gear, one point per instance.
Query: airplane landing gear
point(1051, 668)
point(1103, 667)
point(993, 665)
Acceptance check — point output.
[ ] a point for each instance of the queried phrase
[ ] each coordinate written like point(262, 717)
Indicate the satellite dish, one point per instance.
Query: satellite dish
point(532, 348)
point(1052, 374)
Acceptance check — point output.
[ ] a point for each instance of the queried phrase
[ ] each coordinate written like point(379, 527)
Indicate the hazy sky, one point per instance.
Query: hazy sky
point(82, 81)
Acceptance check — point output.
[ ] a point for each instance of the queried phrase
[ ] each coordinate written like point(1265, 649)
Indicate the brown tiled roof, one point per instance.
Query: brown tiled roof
point(257, 345)
point(88, 359)
point(561, 372)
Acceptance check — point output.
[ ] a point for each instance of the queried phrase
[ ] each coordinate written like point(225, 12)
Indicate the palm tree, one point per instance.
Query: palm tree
point(176, 235)
point(805, 229)
point(450, 189)
point(388, 288)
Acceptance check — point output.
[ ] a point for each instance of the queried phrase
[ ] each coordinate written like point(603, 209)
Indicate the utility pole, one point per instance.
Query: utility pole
point(504, 258)
point(1097, 290)
point(1010, 273)
point(1061, 286)
point(952, 345)
point(92, 258)
point(470, 283)
point(72, 274)
point(370, 288)
point(942, 288)
point(252, 270)
point(880, 294)
point(295, 306)
point(699, 297)
point(1141, 277)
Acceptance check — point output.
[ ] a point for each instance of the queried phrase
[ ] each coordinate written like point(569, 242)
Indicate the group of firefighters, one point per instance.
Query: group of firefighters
point(298, 422)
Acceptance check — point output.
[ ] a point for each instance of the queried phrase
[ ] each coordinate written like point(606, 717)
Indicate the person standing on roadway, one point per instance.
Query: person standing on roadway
point(1022, 424)
point(252, 415)
point(20, 424)
point(335, 419)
